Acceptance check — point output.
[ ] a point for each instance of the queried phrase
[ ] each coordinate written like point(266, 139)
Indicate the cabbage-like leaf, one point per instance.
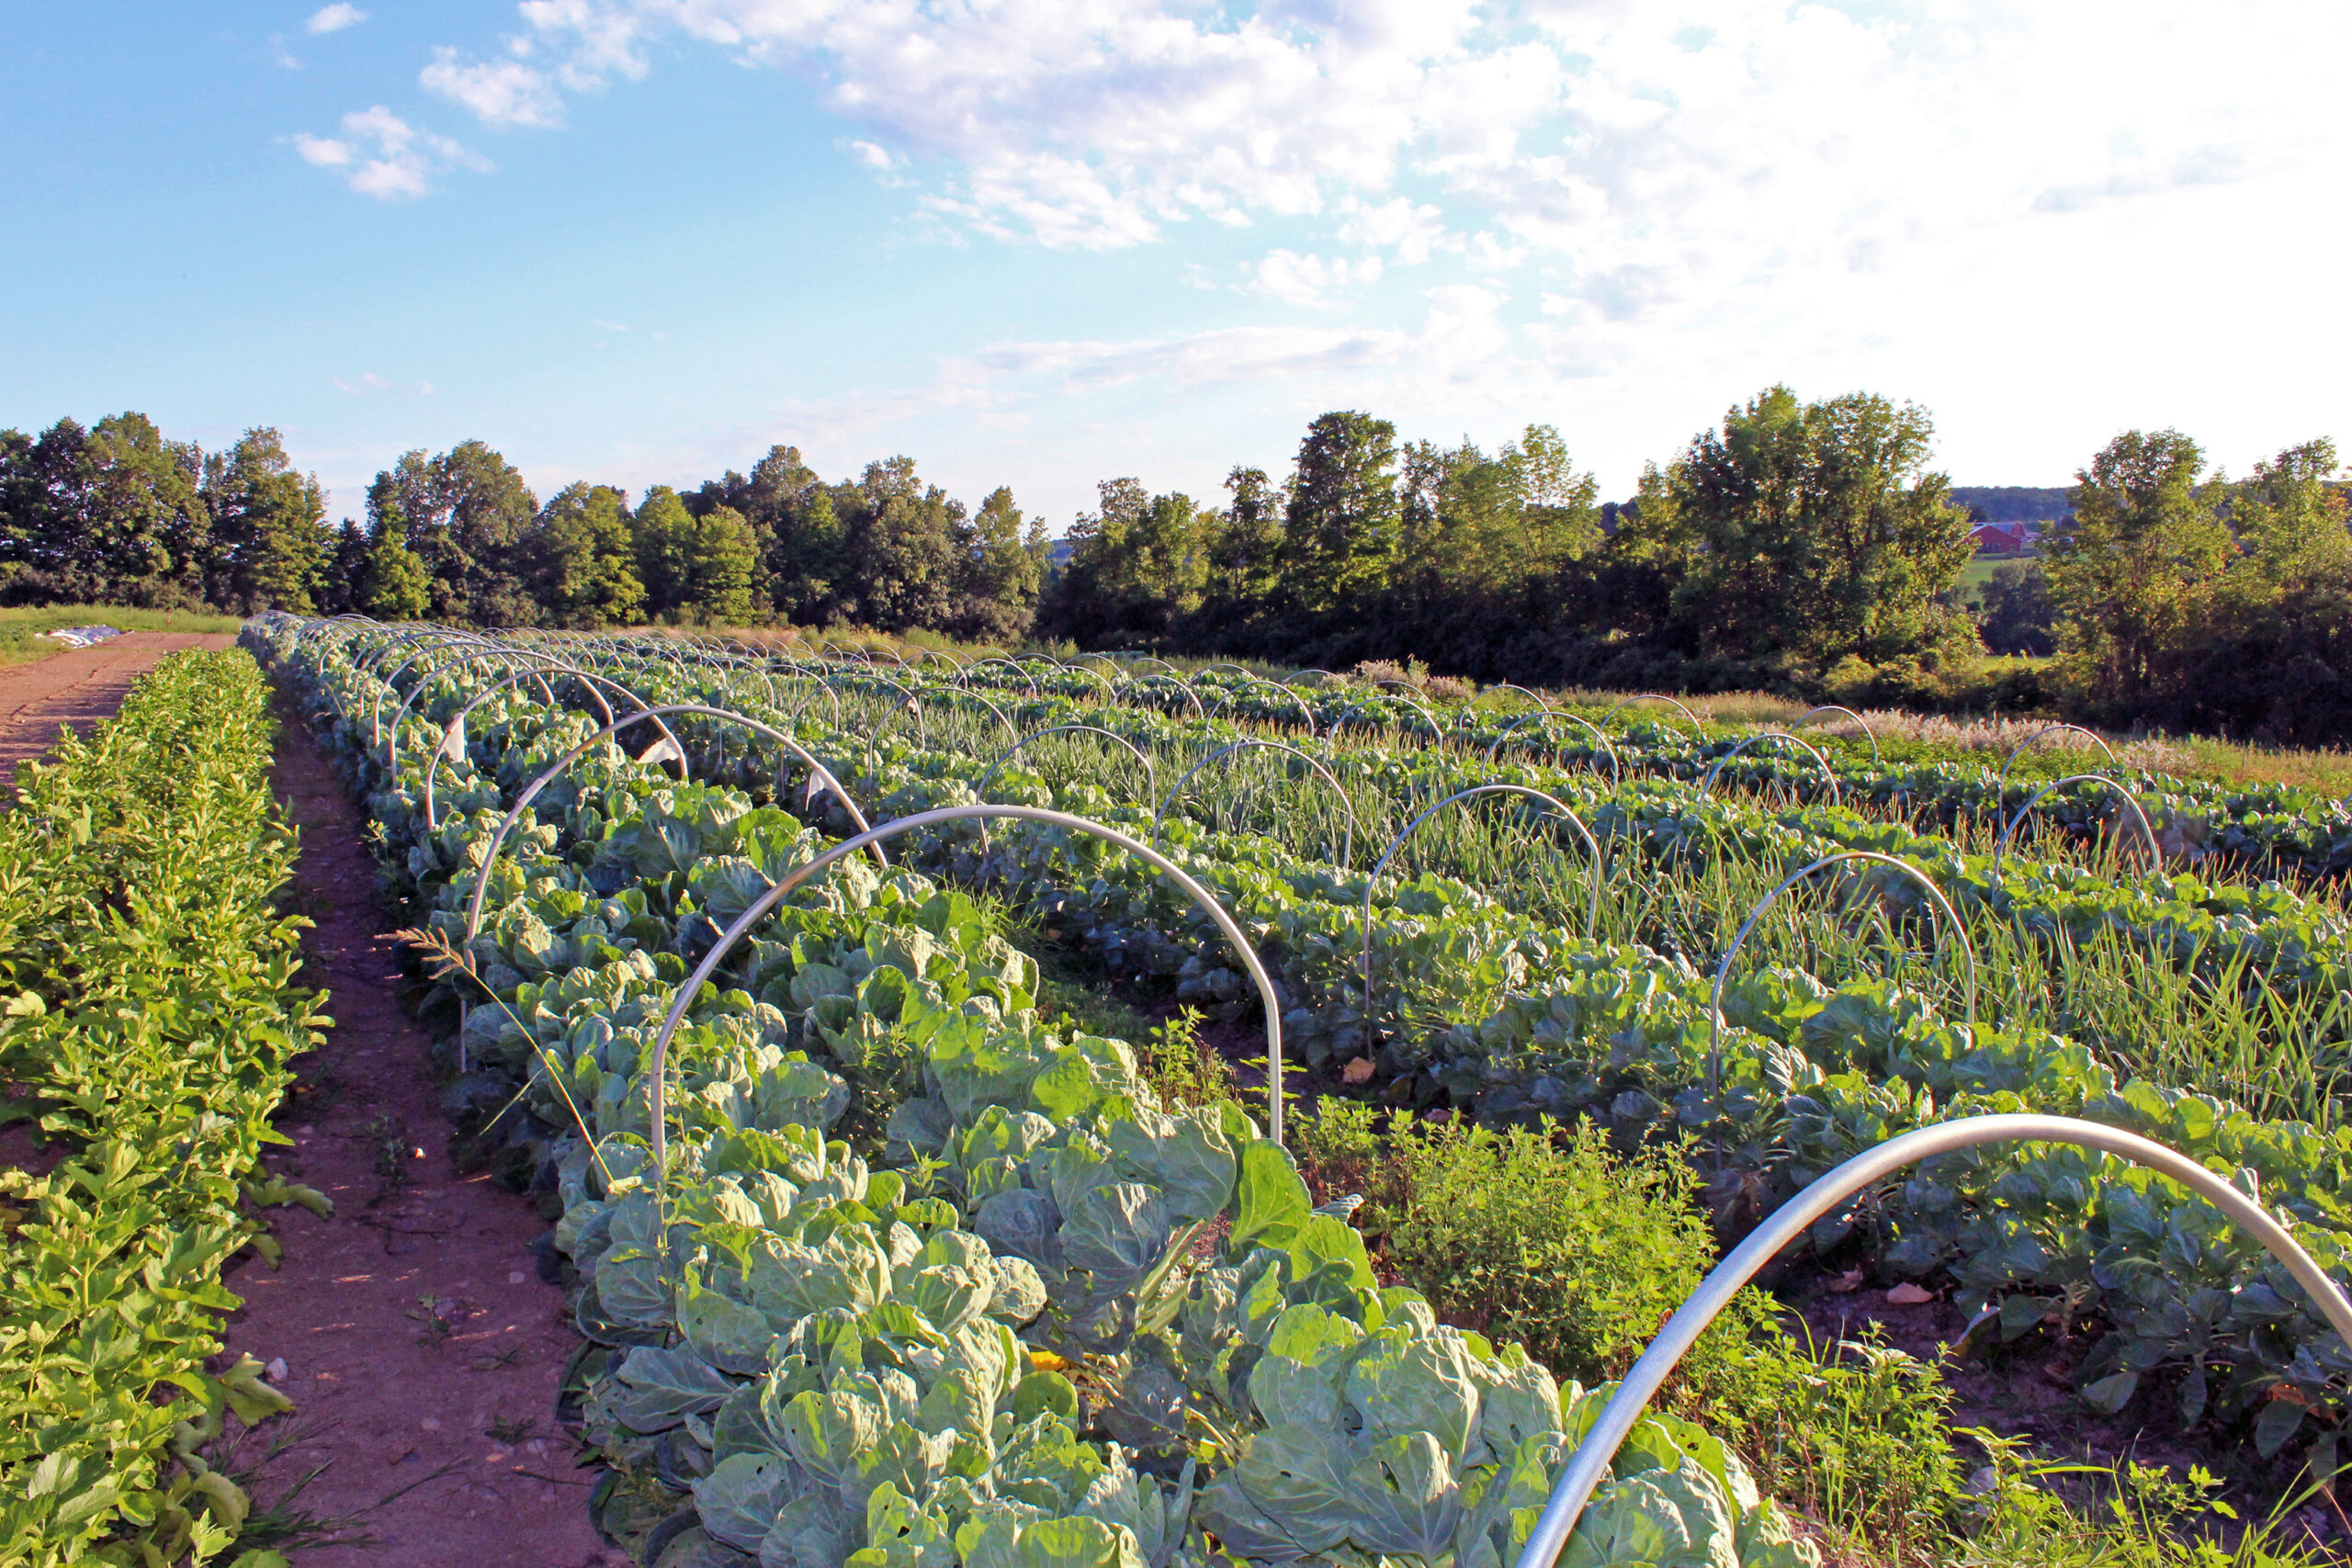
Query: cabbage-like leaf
point(742, 1496)
point(663, 1386)
point(1405, 1497)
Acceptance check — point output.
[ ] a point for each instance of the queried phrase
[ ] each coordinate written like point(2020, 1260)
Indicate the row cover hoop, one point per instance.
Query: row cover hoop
point(1591, 1461)
point(1348, 844)
point(457, 724)
point(1868, 733)
point(1593, 913)
point(1723, 970)
point(2155, 850)
point(1544, 716)
point(1150, 774)
point(871, 837)
point(2001, 788)
point(515, 813)
point(1828, 772)
point(1698, 727)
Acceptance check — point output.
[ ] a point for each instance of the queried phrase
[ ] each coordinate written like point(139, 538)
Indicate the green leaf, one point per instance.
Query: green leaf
point(2280, 1419)
point(1270, 1202)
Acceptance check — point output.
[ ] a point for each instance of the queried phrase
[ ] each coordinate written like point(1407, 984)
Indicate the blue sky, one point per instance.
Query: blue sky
point(639, 240)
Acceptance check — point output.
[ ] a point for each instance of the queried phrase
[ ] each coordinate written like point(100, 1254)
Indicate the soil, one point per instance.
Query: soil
point(78, 687)
point(421, 1351)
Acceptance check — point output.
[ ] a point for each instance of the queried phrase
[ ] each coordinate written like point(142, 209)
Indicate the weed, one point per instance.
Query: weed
point(387, 1138)
point(438, 1319)
point(510, 1430)
point(1182, 1067)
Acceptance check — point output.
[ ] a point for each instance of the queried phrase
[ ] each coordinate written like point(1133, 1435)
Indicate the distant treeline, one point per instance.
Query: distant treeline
point(1801, 547)
point(2012, 503)
point(117, 513)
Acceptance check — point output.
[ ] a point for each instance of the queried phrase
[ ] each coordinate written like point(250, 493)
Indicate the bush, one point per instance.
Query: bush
point(1549, 1237)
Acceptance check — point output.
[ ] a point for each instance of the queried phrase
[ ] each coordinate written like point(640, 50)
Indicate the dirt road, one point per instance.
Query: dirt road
point(420, 1350)
point(79, 686)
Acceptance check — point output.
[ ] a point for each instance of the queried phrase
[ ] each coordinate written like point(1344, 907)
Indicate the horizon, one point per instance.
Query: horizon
point(638, 243)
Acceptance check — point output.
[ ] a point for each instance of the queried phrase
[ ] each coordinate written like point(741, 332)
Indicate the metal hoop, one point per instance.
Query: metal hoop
point(489, 856)
point(1347, 844)
point(2155, 850)
point(1150, 774)
point(1827, 772)
point(1303, 705)
point(1593, 913)
point(1723, 970)
point(873, 837)
point(1697, 726)
point(2000, 789)
point(1615, 1423)
point(1849, 712)
point(1616, 769)
point(1149, 677)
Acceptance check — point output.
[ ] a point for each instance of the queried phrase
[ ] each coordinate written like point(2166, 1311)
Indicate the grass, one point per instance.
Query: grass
point(20, 642)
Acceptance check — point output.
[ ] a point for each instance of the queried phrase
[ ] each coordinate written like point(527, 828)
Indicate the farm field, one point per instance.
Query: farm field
point(964, 1202)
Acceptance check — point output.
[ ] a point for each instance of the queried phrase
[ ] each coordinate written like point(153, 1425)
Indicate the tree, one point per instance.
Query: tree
point(665, 533)
point(1493, 527)
point(1810, 530)
point(1003, 568)
point(2013, 611)
point(2138, 565)
point(722, 565)
point(591, 579)
point(468, 515)
point(113, 512)
point(346, 570)
point(899, 566)
point(1245, 556)
point(2290, 521)
point(802, 543)
point(1137, 566)
point(1341, 528)
point(395, 585)
point(269, 541)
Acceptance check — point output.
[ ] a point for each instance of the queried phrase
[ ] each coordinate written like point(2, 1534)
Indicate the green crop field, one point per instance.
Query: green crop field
point(955, 1196)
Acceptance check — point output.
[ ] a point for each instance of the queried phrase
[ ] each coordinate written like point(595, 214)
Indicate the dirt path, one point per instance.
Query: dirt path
point(79, 686)
point(422, 1351)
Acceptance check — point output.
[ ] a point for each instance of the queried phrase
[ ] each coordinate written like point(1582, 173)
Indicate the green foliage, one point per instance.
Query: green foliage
point(1548, 1237)
point(1807, 529)
point(592, 570)
point(393, 583)
point(825, 1355)
point(2146, 545)
point(152, 1021)
point(1538, 1234)
point(1341, 527)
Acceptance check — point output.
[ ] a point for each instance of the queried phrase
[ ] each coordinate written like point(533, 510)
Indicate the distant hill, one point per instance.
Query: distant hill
point(2013, 503)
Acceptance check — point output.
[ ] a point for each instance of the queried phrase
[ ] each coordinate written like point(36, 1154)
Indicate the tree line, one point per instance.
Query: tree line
point(1806, 546)
point(116, 513)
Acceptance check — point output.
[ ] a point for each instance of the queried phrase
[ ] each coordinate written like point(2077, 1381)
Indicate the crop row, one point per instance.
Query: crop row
point(148, 981)
point(1808, 1074)
point(1017, 1312)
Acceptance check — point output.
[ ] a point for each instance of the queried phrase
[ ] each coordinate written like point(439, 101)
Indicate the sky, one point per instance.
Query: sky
point(1044, 245)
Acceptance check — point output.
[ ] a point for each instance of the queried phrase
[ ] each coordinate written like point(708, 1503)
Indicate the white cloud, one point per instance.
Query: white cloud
point(498, 91)
point(1298, 279)
point(380, 154)
point(334, 18)
point(1410, 229)
point(1658, 162)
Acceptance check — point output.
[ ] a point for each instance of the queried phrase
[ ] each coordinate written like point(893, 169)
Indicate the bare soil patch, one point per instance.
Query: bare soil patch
point(422, 1352)
point(79, 686)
